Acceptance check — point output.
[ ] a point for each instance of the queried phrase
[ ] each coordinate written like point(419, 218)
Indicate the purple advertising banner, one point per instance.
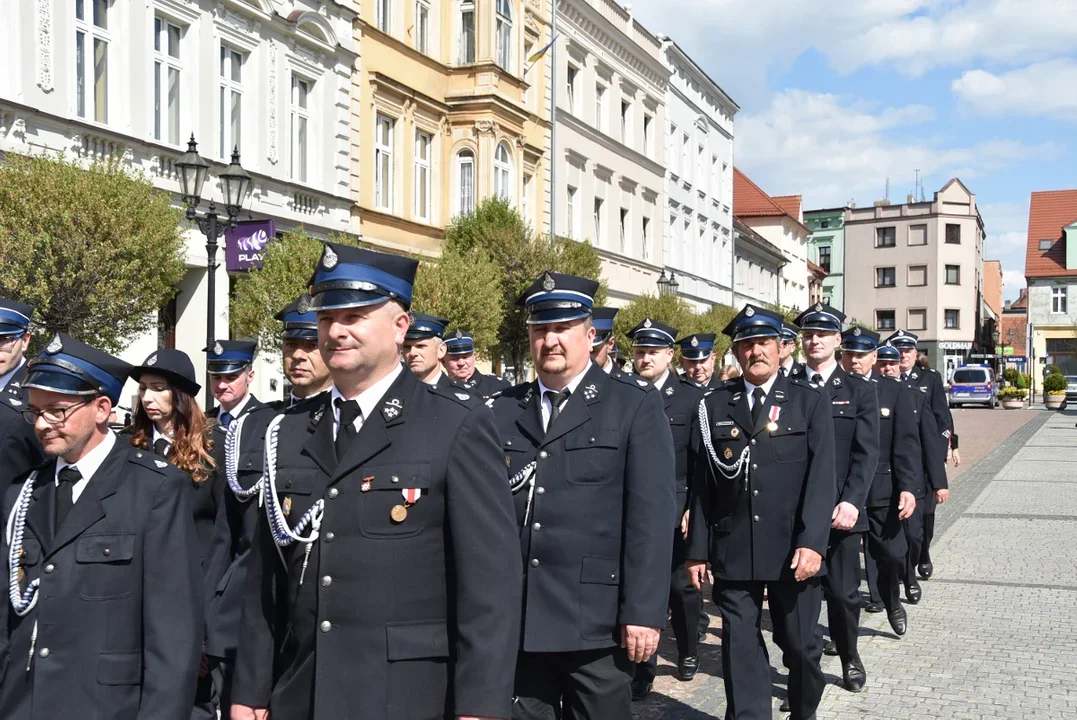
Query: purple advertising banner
point(245, 244)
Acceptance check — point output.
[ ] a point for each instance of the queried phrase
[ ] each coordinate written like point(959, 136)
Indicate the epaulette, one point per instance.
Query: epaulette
point(150, 460)
point(804, 383)
point(490, 400)
point(633, 380)
point(860, 376)
point(13, 401)
point(466, 399)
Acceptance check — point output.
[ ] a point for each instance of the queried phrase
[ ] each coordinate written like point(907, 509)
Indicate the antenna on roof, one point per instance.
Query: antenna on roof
point(919, 185)
point(887, 195)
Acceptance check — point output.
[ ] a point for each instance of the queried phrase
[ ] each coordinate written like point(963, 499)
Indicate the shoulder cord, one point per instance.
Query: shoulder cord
point(283, 535)
point(231, 461)
point(24, 602)
point(526, 476)
point(729, 471)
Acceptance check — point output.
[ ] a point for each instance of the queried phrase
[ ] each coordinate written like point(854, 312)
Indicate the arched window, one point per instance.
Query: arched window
point(465, 182)
point(504, 33)
point(503, 172)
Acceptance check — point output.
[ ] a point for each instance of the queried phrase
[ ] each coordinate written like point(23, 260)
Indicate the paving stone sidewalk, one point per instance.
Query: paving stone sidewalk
point(996, 633)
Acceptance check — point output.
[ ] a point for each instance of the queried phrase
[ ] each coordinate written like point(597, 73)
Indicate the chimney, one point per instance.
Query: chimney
point(1008, 304)
point(911, 199)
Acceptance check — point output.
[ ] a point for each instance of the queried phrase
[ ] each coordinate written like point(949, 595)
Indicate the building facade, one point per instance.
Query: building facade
point(1014, 332)
point(993, 286)
point(447, 111)
point(1051, 272)
point(101, 79)
point(699, 181)
point(610, 155)
point(919, 267)
point(757, 269)
point(826, 248)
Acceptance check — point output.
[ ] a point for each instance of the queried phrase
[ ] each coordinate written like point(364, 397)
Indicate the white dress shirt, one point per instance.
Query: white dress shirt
point(661, 382)
point(87, 465)
point(368, 400)
point(6, 377)
point(238, 409)
point(437, 379)
point(547, 407)
point(749, 388)
point(157, 435)
point(825, 374)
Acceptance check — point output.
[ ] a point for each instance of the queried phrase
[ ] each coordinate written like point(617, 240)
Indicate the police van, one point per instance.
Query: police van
point(973, 384)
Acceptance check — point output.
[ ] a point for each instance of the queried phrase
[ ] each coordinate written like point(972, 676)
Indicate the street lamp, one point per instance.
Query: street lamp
point(663, 284)
point(673, 284)
point(235, 182)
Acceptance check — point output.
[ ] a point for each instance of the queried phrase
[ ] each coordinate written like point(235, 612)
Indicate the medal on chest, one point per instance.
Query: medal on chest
point(775, 413)
point(399, 513)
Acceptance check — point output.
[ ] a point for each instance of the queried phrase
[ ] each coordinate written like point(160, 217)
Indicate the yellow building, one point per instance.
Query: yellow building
point(445, 112)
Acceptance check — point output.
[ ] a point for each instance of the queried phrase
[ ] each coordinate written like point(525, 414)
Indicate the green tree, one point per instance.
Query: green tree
point(497, 231)
point(465, 288)
point(96, 251)
point(287, 265)
point(668, 309)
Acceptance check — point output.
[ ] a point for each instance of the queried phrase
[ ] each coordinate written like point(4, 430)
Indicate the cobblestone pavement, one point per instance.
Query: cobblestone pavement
point(995, 635)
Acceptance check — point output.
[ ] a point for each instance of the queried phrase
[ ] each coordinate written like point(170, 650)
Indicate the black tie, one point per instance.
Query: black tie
point(817, 379)
point(160, 447)
point(757, 409)
point(65, 496)
point(904, 377)
point(555, 398)
point(346, 432)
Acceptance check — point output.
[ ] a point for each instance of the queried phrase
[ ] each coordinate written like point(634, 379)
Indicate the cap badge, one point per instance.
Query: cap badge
point(750, 312)
point(303, 306)
point(695, 341)
point(458, 334)
point(329, 259)
point(856, 331)
point(548, 283)
point(818, 307)
point(152, 361)
point(647, 323)
point(218, 349)
point(55, 346)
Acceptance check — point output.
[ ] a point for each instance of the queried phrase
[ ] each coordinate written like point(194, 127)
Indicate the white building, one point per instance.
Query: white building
point(699, 181)
point(117, 78)
point(759, 266)
point(610, 174)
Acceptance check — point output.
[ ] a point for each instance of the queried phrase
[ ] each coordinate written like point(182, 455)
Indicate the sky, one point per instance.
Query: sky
point(836, 96)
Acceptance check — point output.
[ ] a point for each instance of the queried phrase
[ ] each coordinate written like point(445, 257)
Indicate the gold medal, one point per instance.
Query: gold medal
point(287, 506)
point(772, 426)
point(728, 454)
point(735, 432)
point(399, 513)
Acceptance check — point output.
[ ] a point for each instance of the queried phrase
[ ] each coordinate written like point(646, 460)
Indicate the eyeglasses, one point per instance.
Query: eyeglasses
point(9, 341)
point(53, 416)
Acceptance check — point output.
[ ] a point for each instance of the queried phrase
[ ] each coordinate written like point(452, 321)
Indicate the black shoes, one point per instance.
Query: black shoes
point(687, 667)
point(898, 618)
point(913, 593)
point(853, 674)
point(925, 569)
point(640, 688)
point(830, 648)
point(875, 606)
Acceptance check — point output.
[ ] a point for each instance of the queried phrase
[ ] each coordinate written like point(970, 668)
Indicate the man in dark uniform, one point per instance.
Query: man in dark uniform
point(592, 464)
point(459, 362)
point(229, 363)
point(891, 498)
point(697, 359)
point(930, 383)
point(19, 449)
point(399, 592)
point(303, 363)
point(604, 342)
point(106, 618)
point(761, 512)
point(855, 413)
point(652, 343)
point(424, 349)
point(787, 352)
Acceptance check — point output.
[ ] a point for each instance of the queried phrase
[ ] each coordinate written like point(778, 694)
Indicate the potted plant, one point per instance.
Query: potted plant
point(1054, 388)
point(1012, 398)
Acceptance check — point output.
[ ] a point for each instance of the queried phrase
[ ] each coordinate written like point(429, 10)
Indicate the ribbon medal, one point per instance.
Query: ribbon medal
point(775, 412)
point(399, 513)
point(367, 482)
point(286, 506)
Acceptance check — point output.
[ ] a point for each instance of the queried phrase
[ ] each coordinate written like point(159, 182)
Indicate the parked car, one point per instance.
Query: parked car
point(1071, 387)
point(973, 384)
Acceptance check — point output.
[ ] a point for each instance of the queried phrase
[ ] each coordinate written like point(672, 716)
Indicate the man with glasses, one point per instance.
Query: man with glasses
point(19, 448)
point(104, 605)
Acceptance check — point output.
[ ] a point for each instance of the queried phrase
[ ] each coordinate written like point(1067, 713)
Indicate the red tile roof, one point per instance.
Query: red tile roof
point(816, 270)
point(1021, 303)
point(750, 201)
point(789, 203)
point(1048, 213)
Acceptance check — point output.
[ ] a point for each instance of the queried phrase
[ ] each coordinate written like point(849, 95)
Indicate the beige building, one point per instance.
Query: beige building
point(446, 110)
point(919, 267)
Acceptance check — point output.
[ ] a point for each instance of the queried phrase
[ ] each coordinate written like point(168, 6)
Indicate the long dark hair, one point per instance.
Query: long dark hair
point(192, 435)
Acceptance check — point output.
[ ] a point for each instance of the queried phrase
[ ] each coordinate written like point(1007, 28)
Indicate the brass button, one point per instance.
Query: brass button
point(49, 569)
point(543, 455)
point(536, 526)
point(754, 493)
point(326, 626)
point(535, 563)
point(395, 478)
point(753, 441)
point(43, 653)
point(540, 490)
point(106, 552)
point(333, 492)
point(754, 466)
point(755, 518)
point(327, 581)
point(330, 537)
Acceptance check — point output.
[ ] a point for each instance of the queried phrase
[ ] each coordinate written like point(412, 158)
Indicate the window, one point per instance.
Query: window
point(824, 224)
point(701, 173)
point(918, 235)
point(648, 135)
point(1046, 244)
point(465, 182)
point(646, 237)
point(423, 143)
point(918, 319)
point(467, 32)
point(385, 14)
point(166, 81)
point(570, 206)
point(953, 274)
point(686, 162)
point(625, 138)
point(885, 277)
point(824, 257)
point(383, 163)
point(953, 233)
point(600, 107)
point(570, 88)
point(1058, 300)
point(525, 198)
point(231, 101)
point(917, 276)
point(504, 33)
point(952, 319)
point(300, 119)
point(884, 320)
point(885, 237)
point(503, 172)
point(716, 178)
point(91, 59)
point(672, 157)
point(624, 229)
point(598, 220)
point(422, 26)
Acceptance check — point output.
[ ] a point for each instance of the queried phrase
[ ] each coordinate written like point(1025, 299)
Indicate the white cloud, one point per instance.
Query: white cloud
point(1007, 235)
point(1046, 88)
point(1012, 282)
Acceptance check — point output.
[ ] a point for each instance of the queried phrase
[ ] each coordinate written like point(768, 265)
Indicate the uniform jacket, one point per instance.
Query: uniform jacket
point(855, 412)
point(597, 542)
point(929, 382)
point(681, 398)
point(406, 620)
point(932, 446)
point(119, 612)
point(20, 451)
point(749, 527)
point(900, 468)
point(484, 385)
